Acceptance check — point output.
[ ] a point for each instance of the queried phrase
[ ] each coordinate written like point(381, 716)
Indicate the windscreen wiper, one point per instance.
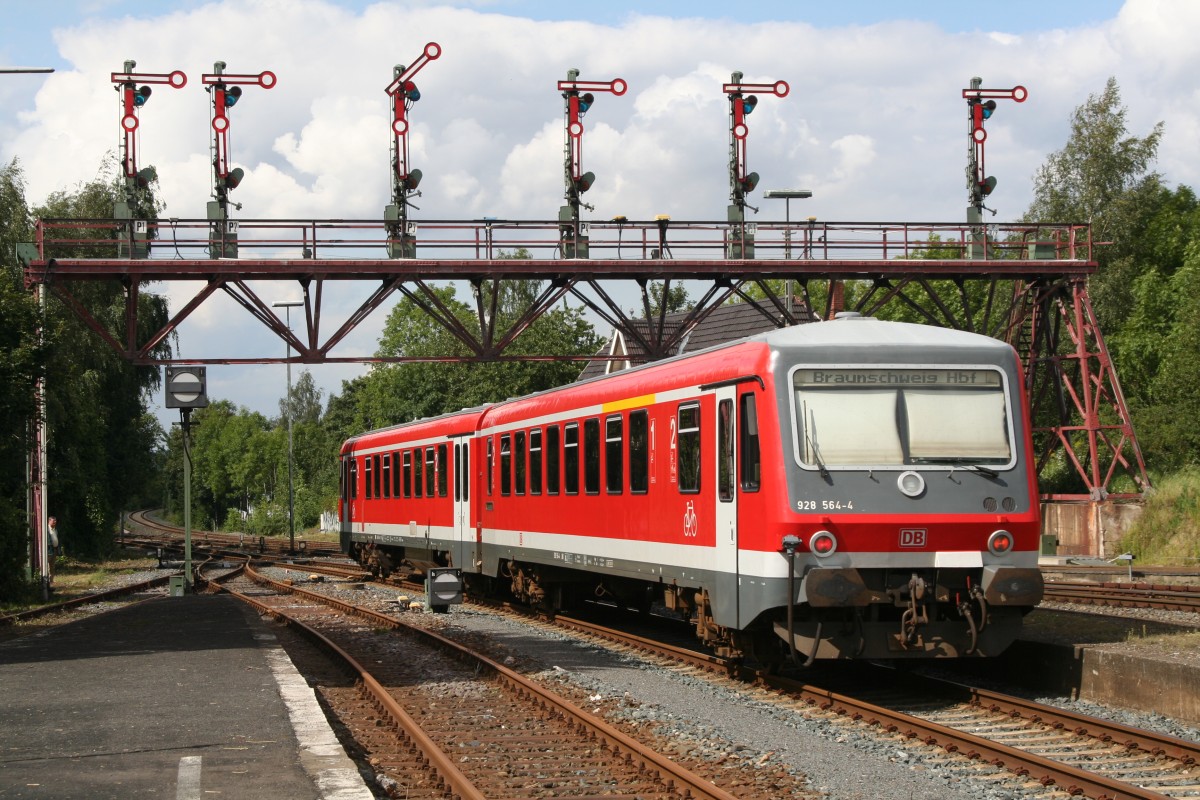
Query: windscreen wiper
point(812, 444)
point(964, 463)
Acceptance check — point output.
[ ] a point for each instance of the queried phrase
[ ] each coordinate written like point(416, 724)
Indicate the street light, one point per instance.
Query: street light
point(287, 404)
point(787, 195)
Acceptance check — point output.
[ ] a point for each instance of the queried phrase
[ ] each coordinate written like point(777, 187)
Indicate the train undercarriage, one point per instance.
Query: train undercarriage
point(846, 613)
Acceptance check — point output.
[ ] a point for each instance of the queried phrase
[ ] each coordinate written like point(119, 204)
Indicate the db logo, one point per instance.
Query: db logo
point(913, 537)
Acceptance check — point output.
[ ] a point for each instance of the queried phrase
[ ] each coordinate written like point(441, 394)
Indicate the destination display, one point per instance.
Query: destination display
point(954, 378)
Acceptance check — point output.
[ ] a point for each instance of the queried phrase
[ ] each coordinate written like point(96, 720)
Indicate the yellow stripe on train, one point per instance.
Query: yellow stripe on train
point(629, 402)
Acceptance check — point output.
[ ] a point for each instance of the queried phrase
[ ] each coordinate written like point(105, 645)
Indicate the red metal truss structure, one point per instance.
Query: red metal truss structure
point(1025, 284)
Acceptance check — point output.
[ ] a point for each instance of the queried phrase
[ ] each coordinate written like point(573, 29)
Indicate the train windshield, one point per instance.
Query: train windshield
point(889, 417)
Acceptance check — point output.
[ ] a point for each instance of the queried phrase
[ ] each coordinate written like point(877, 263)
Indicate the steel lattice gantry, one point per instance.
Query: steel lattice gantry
point(1025, 284)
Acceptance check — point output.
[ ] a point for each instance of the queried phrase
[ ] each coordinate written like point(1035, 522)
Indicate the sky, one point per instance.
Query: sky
point(874, 124)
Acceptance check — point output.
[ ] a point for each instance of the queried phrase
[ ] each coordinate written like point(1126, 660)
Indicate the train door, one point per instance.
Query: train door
point(353, 509)
point(726, 544)
point(464, 530)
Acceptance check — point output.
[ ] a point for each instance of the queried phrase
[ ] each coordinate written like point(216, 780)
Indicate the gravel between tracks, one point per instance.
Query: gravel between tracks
point(736, 727)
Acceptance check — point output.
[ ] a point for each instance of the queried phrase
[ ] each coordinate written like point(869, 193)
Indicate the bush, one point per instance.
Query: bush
point(1168, 532)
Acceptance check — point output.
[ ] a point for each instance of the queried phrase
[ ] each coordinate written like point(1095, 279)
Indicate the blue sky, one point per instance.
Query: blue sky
point(874, 124)
point(27, 41)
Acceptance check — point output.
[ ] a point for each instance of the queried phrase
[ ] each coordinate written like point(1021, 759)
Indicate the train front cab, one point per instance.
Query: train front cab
point(916, 519)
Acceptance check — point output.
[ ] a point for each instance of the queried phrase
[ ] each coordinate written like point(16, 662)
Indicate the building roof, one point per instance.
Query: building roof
point(725, 323)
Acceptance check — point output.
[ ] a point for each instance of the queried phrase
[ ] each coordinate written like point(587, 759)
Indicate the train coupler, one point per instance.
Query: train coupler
point(917, 613)
point(966, 610)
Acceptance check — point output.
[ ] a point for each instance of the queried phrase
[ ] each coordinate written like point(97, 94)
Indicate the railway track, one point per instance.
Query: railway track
point(1170, 597)
point(441, 720)
point(1041, 745)
point(91, 598)
point(1079, 754)
point(146, 529)
point(1038, 745)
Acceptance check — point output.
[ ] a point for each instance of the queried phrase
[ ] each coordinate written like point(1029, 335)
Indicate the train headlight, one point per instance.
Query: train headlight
point(823, 543)
point(1000, 543)
point(911, 483)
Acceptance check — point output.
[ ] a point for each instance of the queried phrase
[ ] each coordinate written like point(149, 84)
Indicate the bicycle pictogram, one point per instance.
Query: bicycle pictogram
point(690, 525)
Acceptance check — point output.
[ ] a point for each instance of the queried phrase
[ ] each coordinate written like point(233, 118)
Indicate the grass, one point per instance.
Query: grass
point(1168, 531)
point(73, 577)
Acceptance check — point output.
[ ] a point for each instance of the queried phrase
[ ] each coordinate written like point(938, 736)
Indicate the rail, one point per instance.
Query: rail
point(488, 239)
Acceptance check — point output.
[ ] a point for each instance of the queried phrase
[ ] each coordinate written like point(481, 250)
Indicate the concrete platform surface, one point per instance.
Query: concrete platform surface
point(175, 697)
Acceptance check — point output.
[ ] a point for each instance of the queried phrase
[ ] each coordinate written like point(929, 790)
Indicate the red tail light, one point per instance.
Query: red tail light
point(823, 543)
point(1000, 542)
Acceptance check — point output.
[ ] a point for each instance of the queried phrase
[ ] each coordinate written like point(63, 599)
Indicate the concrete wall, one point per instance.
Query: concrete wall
point(1088, 528)
point(1125, 680)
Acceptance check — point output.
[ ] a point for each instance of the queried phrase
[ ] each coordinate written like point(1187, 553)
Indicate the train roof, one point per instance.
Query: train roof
point(852, 330)
point(468, 415)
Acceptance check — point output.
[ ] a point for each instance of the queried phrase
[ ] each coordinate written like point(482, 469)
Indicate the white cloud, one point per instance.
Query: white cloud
point(875, 123)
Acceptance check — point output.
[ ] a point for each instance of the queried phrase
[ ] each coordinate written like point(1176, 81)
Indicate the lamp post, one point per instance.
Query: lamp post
point(287, 404)
point(787, 195)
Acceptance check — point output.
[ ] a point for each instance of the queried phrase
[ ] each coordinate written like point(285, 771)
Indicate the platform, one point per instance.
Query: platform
point(175, 697)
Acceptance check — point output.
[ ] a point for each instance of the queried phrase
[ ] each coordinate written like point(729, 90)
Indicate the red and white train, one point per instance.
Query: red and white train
point(845, 489)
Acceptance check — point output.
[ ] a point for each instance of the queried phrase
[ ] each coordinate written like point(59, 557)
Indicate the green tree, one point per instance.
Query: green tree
point(19, 370)
point(1103, 177)
point(401, 392)
point(101, 439)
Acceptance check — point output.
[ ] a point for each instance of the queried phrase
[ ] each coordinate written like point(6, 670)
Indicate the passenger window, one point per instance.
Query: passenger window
point(407, 474)
point(639, 451)
point(751, 476)
point(353, 478)
point(725, 451)
point(387, 474)
point(591, 456)
point(367, 477)
point(430, 472)
point(491, 467)
point(441, 470)
point(466, 471)
point(688, 448)
point(535, 461)
point(519, 462)
point(417, 473)
point(505, 465)
point(614, 441)
point(552, 459)
point(571, 458)
point(396, 474)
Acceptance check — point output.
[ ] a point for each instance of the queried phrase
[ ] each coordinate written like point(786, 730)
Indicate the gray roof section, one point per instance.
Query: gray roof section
point(725, 323)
